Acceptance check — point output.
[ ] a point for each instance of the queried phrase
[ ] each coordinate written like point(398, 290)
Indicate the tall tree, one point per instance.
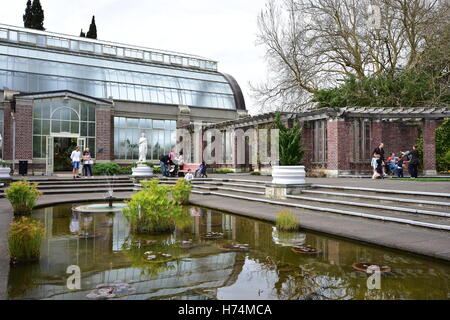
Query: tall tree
point(315, 44)
point(27, 21)
point(92, 33)
point(37, 16)
point(82, 34)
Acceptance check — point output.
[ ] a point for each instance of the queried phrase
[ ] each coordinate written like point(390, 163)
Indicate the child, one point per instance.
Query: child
point(189, 176)
point(399, 168)
point(391, 162)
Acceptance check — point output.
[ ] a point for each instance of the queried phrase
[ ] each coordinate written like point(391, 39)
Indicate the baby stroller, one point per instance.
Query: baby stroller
point(201, 171)
point(173, 170)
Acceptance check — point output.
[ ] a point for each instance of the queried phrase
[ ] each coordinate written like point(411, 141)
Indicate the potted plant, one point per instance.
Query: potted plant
point(5, 170)
point(291, 153)
point(23, 196)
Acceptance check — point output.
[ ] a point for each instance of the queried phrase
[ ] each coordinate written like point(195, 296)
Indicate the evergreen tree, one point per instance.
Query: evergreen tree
point(82, 34)
point(290, 141)
point(37, 16)
point(27, 16)
point(92, 33)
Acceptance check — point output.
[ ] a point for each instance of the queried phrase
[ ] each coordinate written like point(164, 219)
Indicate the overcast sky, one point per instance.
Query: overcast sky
point(222, 30)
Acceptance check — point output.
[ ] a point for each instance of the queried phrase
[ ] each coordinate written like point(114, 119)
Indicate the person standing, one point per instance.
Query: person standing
point(87, 163)
point(76, 159)
point(380, 150)
point(163, 163)
point(413, 165)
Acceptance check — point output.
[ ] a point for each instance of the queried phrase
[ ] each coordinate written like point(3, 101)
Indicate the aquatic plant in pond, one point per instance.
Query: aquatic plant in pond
point(24, 239)
point(23, 196)
point(152, 210)
point(287, 221)
point(181, 191)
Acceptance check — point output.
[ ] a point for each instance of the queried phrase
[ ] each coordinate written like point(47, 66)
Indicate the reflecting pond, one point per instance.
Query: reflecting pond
point(218, 256)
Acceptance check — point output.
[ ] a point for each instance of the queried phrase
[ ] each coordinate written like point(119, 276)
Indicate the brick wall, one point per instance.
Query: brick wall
point(399, 136)
point(429, 145)
point(104, 134)
point(8, 137)
point(339, 141)
point(24, 131)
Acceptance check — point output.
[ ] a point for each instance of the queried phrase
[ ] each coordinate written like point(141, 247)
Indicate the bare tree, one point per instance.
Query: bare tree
point(313, 44)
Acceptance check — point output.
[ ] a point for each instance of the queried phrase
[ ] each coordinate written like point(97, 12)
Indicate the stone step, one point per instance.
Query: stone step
point(413, 213)
point(103, 189)
point(404, 200)
point(441, 212)
point(90, 186)
point(438, 223)
point(416, 194)
point(79, 181)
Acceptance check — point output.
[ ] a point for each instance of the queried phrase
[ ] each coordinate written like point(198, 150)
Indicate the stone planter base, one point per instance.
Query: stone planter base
point(281, 191)
point(288, 175)
point(142, 171)
point(5, 173)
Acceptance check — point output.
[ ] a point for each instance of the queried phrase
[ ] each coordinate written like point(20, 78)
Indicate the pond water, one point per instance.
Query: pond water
point(196, 262)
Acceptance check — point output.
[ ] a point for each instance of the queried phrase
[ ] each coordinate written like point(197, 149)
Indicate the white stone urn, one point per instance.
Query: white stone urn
point(288, 175)
point(5, 172)
point(142, 170)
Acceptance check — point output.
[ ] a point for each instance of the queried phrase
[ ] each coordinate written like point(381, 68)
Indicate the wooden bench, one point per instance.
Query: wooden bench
point(187, 166)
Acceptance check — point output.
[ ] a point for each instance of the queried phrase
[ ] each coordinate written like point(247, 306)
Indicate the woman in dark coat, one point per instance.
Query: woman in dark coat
point(380, 150)
point(413, 165)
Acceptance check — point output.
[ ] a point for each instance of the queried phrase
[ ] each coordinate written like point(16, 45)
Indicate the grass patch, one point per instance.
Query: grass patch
point(24, 239)
point(286, 220)
point(425, 179)
point(223, 171)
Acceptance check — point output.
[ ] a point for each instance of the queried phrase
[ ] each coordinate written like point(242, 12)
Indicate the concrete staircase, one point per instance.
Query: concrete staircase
point(52, 186)
point(422, 209)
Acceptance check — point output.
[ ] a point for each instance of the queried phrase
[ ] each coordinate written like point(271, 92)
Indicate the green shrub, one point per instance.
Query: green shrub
point(290, 142)
point(23, 196)
point(287, 221)
point(152, 210)
point(107, 169)
point(148, 164)
point(126, 170)
point(447, 159)
point(24, 239)
point(181, 191)
point(224, 171)
point(157, 170)
point(4, 164)
point(256, 173)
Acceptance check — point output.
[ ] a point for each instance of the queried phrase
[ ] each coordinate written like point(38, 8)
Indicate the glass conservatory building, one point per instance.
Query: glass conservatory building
point(58, 91)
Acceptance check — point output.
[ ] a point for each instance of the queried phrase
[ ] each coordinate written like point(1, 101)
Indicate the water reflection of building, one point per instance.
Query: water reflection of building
point(209, 273)
point(103, 260)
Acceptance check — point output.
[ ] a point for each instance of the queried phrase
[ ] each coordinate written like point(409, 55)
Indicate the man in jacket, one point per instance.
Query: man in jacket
point(413, 165)
point(163, 163)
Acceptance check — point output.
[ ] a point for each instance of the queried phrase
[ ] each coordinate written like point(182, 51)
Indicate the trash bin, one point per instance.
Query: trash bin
point(23, 168)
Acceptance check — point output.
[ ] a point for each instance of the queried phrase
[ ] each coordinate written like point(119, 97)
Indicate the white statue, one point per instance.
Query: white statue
point(143, 148)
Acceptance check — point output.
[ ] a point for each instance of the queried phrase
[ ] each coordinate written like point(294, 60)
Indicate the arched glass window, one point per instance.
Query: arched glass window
point(62, 117)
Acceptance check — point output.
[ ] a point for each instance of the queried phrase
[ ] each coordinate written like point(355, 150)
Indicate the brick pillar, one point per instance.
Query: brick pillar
point(376, 134)
point(7, 135)
point(104, 134)
point(339, 140)
point(24, 130)
point(429, 146)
